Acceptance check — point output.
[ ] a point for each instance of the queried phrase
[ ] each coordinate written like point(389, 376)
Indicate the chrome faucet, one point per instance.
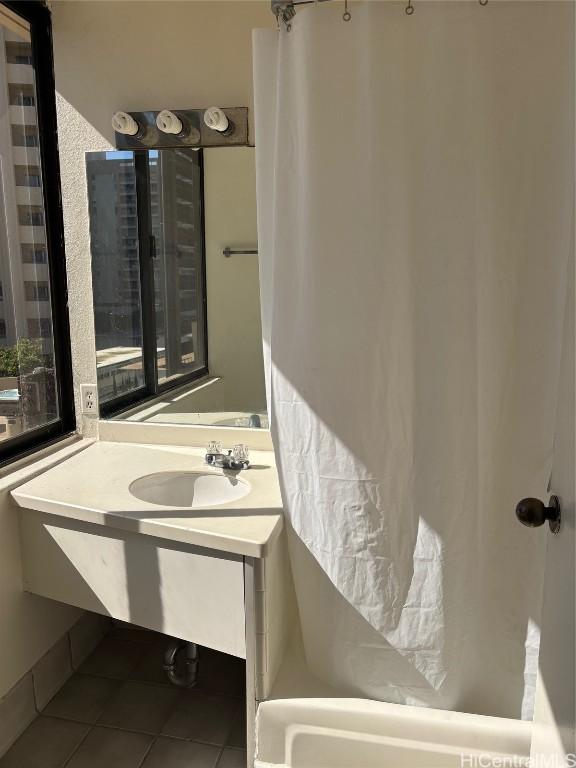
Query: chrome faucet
point(236, 458)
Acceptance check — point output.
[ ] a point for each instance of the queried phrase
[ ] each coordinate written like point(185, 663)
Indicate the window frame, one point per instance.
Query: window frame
point(152, 389)
point(38, 17)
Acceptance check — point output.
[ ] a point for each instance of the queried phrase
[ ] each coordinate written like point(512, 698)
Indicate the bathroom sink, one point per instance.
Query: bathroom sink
point(194, 490)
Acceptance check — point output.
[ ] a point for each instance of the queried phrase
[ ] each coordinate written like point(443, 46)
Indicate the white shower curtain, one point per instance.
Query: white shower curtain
point(414, 215)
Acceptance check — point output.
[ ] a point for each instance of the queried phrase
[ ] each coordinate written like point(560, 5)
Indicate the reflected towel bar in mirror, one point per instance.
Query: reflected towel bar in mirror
point(233, 251)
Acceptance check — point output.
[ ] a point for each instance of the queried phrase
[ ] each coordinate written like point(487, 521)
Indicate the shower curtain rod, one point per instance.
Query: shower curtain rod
point(285, 10)
point(279, 4)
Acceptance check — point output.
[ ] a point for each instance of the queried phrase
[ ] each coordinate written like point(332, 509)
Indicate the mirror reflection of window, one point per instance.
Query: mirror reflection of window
point(115, 273)
point(147, 246)
point(176, 217)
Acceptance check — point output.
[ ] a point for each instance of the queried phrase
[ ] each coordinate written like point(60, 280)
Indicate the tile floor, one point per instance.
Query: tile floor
point(118, 711)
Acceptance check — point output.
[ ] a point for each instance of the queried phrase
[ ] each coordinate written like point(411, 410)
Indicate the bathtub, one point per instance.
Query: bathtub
point(357, 733)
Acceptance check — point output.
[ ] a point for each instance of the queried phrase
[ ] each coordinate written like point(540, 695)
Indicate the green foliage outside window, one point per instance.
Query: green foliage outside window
point(22, 358)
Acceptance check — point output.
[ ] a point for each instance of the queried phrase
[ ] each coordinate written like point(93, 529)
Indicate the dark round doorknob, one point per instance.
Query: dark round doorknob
point(533, 513)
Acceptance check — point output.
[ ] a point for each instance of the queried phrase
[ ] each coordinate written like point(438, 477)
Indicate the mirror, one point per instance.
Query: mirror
point(176, 306)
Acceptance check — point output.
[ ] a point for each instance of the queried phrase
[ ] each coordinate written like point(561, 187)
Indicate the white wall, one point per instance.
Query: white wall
point(233, 290)
point(29, 625)
point(126, 55)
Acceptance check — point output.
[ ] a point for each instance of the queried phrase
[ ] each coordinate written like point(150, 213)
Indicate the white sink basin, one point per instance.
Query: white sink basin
point(193, 490)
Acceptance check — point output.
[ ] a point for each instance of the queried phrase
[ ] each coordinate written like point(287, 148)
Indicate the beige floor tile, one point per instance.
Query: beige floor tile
point(169, 753)
point(46, 743)
point(202, 717)
point(222, 674)
point(150, 667)
point(232, 758)
point(237, 737)
point(83, 698)
point(140, 707)
point(107, 748)
point(113, 658)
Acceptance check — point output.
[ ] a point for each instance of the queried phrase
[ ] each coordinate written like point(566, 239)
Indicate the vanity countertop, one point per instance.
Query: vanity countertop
point(93, 486)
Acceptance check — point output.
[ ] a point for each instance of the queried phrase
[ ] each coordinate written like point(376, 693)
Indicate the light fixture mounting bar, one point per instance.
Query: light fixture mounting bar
point(195, 134)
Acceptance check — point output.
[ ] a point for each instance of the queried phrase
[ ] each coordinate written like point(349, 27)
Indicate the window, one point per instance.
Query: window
point(31, 215)
point(24, 135)
point(27, 176)
point(34, 254)
point(36, 291)
point(21, 95)
point(39, 328)
point(18, 51)
point(34, 335)
point(148, 272)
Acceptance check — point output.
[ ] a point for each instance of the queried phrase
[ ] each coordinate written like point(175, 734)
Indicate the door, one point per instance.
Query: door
point(553, 741)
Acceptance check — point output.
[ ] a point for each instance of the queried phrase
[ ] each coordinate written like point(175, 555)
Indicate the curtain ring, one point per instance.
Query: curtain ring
point(409, 10)
point(483, 2)
point(346, 15)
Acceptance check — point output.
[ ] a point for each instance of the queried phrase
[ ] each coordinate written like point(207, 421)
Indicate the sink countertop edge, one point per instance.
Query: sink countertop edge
point(250, 544)
point(218, 541)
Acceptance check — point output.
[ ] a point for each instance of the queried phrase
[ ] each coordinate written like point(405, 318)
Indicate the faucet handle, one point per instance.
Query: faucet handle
point(214, 446)
point(240, 453)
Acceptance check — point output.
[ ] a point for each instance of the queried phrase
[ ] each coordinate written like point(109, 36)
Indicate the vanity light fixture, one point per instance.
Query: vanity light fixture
point(125, 124)
point(216, 119)
point(181, 128)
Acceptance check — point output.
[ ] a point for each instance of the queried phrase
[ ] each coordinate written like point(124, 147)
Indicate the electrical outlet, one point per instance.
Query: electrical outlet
point(89, 399)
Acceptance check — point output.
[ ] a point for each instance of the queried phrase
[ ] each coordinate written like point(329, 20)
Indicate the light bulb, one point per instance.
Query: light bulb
point(215, 118)
point(124, 123)
point(168, 122)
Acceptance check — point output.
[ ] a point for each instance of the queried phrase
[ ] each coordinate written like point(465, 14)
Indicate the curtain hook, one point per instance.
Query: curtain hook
point(409, 10)
point(346, 15)
point(483, 2)
point(285, 12)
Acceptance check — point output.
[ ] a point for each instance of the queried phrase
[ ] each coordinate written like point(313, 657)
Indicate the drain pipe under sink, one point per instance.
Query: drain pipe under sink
point(189, 677)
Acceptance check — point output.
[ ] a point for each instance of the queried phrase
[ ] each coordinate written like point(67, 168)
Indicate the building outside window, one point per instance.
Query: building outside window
point(35, 377)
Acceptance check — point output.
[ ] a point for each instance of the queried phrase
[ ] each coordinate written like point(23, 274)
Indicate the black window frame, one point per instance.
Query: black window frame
point(151, 388)
point(14, 448)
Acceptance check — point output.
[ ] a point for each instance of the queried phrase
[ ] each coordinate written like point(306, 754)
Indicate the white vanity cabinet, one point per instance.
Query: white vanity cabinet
point(181, 590)
point(216, 577)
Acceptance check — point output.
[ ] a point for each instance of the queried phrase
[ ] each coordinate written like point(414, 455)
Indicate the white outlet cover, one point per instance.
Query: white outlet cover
point(89, 399)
